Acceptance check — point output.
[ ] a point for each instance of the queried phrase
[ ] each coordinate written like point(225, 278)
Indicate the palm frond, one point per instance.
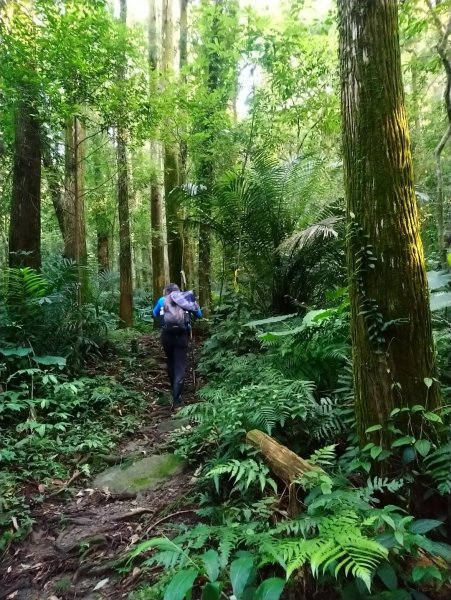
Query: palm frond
point(301, 239)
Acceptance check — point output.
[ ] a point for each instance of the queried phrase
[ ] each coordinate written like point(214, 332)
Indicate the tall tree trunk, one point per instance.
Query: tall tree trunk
point(160, 263)
point(125, 253)
point(171, 159)
point(25, 221)
point(223, 17)
point(393, 355)
point(75, 227)
point(102, 220)
point(188, 250)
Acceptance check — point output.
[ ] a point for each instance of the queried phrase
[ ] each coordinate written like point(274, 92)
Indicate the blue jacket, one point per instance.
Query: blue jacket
point(159, 305)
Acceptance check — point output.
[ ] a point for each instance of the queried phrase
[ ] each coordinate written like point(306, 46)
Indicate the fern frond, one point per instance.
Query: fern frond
point(438, 465)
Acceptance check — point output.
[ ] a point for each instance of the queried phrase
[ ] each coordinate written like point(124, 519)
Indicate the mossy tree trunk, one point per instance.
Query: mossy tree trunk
point(125, 253)
point(393, 354)
point(25, 216)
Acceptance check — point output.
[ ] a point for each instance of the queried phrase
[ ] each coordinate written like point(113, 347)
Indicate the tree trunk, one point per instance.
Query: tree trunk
point(393, 352)
point(101, 215)
point(171, 160)
point(173, 214)
point(103, 251)
point(160, 262)
point(25, 221)
point(222, 16)
point(55, 188)
point(75, 227)
point(188, 251)
point(205, 259)
point(125, 253)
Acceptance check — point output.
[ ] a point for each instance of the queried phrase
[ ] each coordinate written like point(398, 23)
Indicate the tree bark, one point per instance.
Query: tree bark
point(75, 241)
point(393, 354)
point(103, 251)
point(160, 262)
point(171, 159)
point(125, 252)
point(282, 461)
point(25, 220)
point(188, 250)
point(55, 188)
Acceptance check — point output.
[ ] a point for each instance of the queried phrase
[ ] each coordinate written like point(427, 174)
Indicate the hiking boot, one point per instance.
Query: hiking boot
point(177, 405)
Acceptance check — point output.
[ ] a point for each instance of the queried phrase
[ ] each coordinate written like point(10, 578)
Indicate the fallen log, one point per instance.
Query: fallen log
point(284, 463)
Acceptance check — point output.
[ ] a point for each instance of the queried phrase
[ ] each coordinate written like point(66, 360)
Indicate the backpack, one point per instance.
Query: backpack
point(177, 310)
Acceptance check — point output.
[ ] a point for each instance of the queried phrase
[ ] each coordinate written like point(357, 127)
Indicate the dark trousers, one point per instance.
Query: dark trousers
point(175, 344)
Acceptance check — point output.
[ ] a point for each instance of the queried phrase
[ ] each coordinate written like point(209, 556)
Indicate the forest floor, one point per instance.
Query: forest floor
point(82, 534)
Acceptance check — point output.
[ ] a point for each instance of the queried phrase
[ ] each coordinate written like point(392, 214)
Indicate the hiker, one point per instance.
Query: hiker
point(174, 311)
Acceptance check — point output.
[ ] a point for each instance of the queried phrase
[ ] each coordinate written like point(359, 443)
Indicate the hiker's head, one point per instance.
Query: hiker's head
point(171, 287)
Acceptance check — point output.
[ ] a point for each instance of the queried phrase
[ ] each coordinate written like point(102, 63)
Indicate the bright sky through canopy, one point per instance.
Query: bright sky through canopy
point(139, 9)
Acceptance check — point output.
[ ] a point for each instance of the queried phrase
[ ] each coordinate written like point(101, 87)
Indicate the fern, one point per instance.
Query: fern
point(243, 473)
point(438, 466)
point(324, 456)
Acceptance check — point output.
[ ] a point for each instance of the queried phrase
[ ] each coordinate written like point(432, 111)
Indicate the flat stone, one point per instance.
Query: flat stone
point(143, 475)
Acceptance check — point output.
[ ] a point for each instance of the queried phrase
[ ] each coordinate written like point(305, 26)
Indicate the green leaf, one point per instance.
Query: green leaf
point(241, 572)
point(404, 441)
point(211, 591)
point(270, 589)
point(180, 585)
point(270, 320)
point(41, 430)
point(373, 428)
point(16, 351)
point(388, 576)
point(424, 525)
point(60, 361)
point(423, 447)
point(375, 451)
point(426, 573)
point(210, 560)
point(428, 382)
point(433, 417)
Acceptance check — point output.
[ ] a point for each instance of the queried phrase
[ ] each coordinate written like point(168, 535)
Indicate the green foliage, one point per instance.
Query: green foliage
point(42, 311)
point(47, 423)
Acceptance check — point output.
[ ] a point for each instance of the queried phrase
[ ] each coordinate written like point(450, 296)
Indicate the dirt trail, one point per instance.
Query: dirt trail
point(82, 534)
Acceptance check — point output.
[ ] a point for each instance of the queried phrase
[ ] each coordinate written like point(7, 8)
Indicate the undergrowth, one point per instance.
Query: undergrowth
point(51, 416)
point(359, 524)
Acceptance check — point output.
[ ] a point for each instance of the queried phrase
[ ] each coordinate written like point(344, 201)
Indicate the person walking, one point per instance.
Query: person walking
point(175, 310)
